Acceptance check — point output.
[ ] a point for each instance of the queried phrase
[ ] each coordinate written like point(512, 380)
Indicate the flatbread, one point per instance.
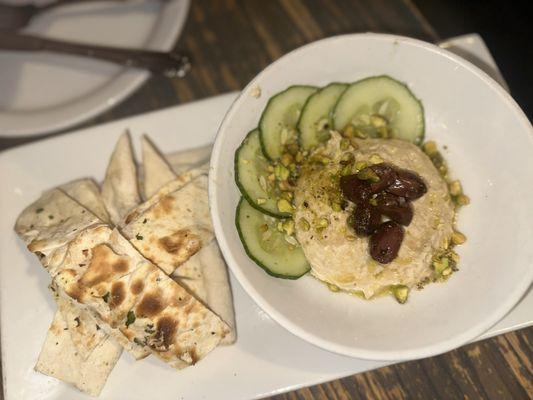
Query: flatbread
point(87, 193)
point(59, 359)
point(104, 274)
point(173, 225)
point(185, 160)
point(156, 171)
point(120, 191)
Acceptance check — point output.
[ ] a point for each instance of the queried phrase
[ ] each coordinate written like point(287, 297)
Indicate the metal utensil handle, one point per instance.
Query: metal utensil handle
point(172, 64)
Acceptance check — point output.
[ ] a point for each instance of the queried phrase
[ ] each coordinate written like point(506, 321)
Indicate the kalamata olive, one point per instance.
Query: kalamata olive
point(396, 208)
point(365, 219)
point(407, 184)
point(354, 189)
point(386, 174)
point(385, 242)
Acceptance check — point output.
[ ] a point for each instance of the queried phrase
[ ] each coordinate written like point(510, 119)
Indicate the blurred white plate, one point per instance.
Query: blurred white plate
point(475, 118)
point(42, 93)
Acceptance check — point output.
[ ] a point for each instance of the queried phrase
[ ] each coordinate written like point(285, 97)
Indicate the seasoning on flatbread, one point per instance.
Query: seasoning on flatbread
point(120, 191)
point(59, 359)
point(103, 273)
point(204, 274)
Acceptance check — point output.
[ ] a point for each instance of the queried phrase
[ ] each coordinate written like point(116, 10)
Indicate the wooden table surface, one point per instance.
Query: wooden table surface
point(231, 41)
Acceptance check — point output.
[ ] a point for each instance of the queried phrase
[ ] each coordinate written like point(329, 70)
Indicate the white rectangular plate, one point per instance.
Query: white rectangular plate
point(266, 359)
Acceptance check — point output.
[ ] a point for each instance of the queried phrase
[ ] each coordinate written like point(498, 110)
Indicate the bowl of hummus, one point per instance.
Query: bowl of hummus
point(362, 201)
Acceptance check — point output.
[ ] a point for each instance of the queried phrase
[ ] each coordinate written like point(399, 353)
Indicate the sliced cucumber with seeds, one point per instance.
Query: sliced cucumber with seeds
point(277, 253)
point(277, 126)
point(380, 106)
point(315, 122)
point(252, 176)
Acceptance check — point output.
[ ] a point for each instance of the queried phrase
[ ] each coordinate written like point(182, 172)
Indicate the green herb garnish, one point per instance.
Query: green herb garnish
point(130, 319)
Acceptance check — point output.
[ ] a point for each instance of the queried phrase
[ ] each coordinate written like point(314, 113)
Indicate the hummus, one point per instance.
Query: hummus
point(340, 258)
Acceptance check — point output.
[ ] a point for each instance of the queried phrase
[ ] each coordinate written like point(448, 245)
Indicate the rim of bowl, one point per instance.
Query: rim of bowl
point(353, 351)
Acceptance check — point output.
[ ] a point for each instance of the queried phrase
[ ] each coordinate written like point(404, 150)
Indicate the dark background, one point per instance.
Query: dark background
point(506, 27)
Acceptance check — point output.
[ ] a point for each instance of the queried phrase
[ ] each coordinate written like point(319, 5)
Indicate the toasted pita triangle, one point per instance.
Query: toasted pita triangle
point(120, 191)
point(157, 172)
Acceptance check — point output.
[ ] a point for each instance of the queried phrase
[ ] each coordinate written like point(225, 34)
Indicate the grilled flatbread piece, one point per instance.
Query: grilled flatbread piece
point(156, 171)
point(128, 295)
point(173, 225)
point(59, 359)
point(120, 191)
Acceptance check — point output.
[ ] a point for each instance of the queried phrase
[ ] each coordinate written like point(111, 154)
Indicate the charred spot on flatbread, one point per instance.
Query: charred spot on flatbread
point(165, 331)
point(118, 294)
point(150, 305)
point(180, 242)
point(104, 265)
point(137, 286)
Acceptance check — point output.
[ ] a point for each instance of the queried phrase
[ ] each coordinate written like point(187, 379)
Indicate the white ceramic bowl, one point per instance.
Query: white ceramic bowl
point(489, 147)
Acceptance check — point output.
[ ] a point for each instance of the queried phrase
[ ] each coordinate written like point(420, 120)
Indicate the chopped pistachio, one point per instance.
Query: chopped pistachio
point(263, 228)
point(279, 226)
point(455, 188)
point(262, 183)
point(347, 158)
point(440, 265)
point(344, 144)
point(360, 134)
point(286, 195)
point(462, 200)
point(285, 133)
point(346, 170)
point(332, 287)
point(336, 207)
point(292, 168)
point(321, 224)
point(286, 159)
point(373, 202)
point(291, 240)
point(271, 178)
point(359, 165)
point(284, 206)
point(354, 144)
point(349, 131)
point(303, 225)
point(375, 159)
point(378, 121)
point(367, 174)
point(458, 238)
point(261, 201)
point(400, 292)
point(284, 186)
point(447, 271)
point(299, 157)
point(454, 257)
point(270, 168)
point(281, 172)
point(288, 226)
point(384, 132)
point(430, 147)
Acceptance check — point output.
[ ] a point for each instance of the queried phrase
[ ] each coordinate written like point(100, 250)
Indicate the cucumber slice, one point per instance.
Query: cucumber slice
point(277, 125)
point(381, 106)
point(315, 121)
point(251, 176)
point(267, 246)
